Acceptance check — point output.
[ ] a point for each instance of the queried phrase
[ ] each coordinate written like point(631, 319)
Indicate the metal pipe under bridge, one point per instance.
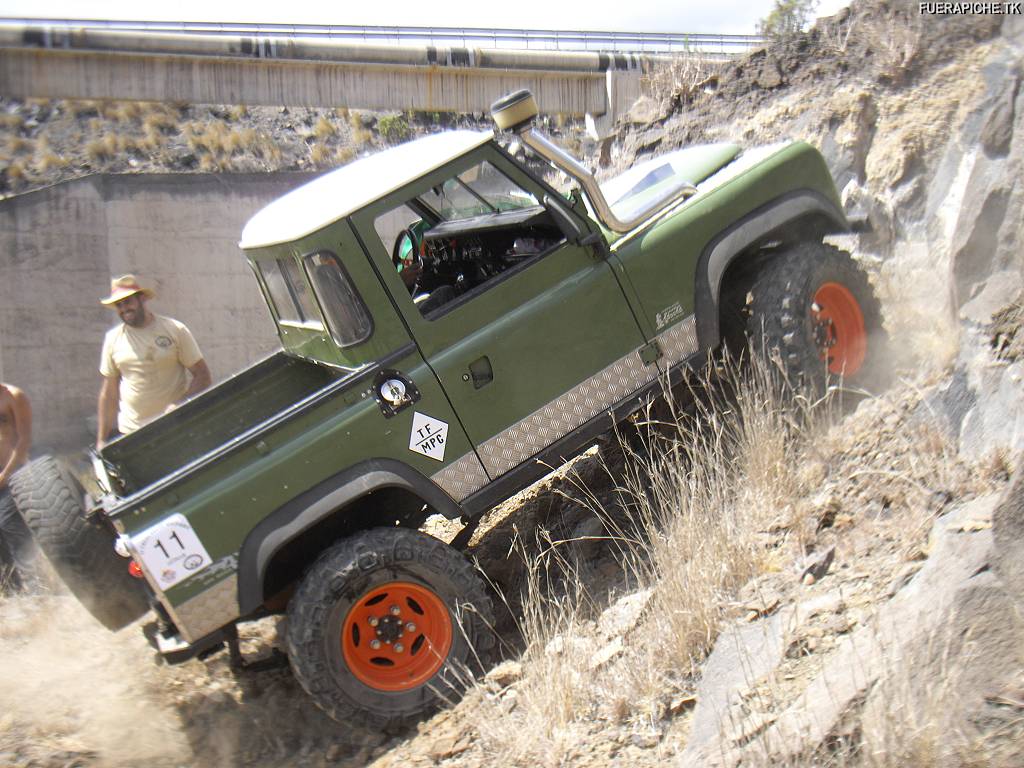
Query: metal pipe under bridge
point(326, 66)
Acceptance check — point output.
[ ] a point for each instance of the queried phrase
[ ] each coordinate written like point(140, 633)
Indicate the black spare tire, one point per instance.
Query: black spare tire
point(80, 549)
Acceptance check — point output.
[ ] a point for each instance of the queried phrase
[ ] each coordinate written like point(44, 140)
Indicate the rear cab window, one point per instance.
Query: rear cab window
point(319, 311)
point(348, 319)
point(289, 293)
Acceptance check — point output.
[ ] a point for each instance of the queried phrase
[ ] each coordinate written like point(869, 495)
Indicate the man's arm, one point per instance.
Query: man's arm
point(200, 378)
point(106, 408)
point(21, 410)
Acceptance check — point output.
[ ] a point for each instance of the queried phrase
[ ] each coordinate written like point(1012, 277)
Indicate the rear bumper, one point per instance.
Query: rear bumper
point(174, 649)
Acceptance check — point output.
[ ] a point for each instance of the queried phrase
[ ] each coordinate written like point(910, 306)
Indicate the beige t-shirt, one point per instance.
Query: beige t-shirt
point(151, 362)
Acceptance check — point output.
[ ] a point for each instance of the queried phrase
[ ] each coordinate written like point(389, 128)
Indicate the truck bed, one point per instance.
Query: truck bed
point(207, 422)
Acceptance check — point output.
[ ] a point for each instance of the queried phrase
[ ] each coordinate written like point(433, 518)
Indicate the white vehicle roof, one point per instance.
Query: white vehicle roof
point(335, 195)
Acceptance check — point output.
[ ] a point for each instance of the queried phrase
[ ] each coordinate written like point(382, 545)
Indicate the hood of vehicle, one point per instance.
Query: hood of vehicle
point(629, 192)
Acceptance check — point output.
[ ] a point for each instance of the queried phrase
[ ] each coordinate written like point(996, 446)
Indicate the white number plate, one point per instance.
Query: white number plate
point(171, 551)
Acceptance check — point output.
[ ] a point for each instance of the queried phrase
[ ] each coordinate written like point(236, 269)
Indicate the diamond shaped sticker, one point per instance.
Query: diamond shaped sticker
point(428, 436)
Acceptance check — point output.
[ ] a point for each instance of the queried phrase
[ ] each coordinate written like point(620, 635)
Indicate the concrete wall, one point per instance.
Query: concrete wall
point(59, 247)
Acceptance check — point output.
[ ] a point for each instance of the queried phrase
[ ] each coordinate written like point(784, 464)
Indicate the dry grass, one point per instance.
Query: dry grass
point(122, 112)
point(160, 121)
point(696, 500)
point(104, 148)
point(321, 156)
point(344, 155)
point(324, 128)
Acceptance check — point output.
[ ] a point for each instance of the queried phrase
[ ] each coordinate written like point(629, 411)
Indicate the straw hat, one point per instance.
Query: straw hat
point(124, 286)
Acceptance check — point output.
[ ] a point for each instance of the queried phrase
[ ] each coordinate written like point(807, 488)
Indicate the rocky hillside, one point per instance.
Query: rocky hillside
point(834, 587)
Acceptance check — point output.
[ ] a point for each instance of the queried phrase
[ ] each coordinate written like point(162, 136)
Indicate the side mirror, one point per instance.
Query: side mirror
point(570, 227)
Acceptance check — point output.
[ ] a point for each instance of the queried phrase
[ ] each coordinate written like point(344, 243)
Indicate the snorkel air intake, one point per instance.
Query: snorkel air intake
point(516, 111)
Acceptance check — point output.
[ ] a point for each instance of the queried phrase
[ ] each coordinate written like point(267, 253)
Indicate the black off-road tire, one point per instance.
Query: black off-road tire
point(349, 577)
point(782, 322)
point(81, 550)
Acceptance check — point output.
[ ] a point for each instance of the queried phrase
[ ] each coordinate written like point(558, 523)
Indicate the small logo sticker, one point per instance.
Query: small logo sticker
point(163, 341)
point(428, 436)
point(668, 314)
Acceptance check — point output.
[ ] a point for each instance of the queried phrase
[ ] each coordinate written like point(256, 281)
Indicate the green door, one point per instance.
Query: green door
point(530, 335)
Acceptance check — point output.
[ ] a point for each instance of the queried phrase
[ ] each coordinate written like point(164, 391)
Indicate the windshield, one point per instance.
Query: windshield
point(479, 190)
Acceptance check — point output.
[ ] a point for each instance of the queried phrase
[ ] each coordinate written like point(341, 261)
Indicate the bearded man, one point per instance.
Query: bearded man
point(149, 363)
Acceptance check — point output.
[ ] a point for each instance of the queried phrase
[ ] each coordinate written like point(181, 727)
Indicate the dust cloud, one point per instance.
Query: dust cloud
point(75, 694)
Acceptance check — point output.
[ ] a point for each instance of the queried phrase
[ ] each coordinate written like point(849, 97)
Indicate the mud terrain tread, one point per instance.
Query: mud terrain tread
point(343, 573)
point(780, 312)
point(81, 550)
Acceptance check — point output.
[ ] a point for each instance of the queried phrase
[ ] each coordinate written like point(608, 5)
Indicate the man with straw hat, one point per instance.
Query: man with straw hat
point(145, 363)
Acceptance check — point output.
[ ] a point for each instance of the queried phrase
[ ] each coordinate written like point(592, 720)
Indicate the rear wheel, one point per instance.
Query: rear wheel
point(388, 625)
point(814, 307)
point(80, 549)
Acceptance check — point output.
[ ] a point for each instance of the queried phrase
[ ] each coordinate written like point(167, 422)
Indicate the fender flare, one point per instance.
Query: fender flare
point(760, 223)
point(319, 502)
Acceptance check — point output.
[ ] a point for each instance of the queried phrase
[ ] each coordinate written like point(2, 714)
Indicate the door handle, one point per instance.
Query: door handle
point(480, 372)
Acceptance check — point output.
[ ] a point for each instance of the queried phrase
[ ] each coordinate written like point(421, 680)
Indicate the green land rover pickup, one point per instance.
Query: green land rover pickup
point(451, 327)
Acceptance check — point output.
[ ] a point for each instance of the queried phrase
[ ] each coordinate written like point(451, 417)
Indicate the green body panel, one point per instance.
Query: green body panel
point(661, 259)
point(226, 500)
point(563, 314)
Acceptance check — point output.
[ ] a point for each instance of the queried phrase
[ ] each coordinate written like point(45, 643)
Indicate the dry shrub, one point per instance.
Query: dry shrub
point(361, 136)
point(320, 155)
point(11, 122)
point(104, 148)
point(15, 171)
point(687, 72)
point(215, 144)
point(894, 37)
point(238, 112)
point(46, 158)
point(152, 139)
point(324, 128)
point(122, 111)
point(160, 121)
point(344, 155)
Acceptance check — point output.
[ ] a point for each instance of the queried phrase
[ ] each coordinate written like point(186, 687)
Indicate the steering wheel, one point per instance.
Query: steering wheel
point(404, 236)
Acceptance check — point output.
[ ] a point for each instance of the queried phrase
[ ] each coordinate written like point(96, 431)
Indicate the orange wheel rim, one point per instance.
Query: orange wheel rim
point(839, 329)
point(396, 636)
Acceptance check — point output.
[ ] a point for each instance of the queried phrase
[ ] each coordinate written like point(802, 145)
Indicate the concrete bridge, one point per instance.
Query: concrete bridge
point(237, 65)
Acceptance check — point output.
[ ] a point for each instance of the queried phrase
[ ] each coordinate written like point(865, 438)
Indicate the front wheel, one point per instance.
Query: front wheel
point(814, 308)
point(386, 626)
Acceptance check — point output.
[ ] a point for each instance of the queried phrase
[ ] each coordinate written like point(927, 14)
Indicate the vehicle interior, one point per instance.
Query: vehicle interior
point(459, 237)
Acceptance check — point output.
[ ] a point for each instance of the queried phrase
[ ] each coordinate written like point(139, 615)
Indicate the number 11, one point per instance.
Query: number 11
point(163, 549)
